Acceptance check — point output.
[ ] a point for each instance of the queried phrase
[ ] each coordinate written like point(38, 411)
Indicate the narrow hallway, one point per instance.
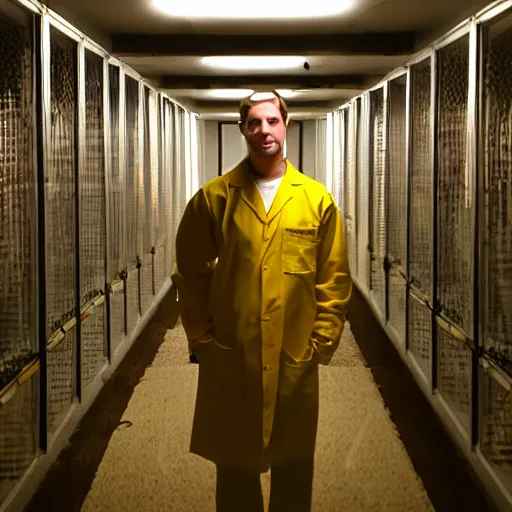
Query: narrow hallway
point(132, 451)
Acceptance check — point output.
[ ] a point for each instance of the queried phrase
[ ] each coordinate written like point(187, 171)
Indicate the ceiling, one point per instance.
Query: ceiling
point(345, 53)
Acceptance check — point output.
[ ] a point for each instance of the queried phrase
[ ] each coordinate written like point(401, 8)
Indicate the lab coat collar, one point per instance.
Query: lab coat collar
point(241, 176)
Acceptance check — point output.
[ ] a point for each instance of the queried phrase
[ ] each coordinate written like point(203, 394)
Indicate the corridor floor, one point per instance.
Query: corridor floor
point(134, 456)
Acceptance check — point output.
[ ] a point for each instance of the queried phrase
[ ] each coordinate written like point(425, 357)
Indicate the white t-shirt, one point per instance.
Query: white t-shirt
point(268, 190)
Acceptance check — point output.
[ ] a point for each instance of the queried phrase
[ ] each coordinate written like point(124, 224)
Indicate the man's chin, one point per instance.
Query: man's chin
point(270, 152)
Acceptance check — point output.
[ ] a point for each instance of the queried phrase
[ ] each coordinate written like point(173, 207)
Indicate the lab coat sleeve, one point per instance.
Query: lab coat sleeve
point(333, 284)
point(195, 251)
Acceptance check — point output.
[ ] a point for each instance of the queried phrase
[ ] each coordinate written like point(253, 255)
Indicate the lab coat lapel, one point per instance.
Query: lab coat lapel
point(285, 193)
point(241, 177)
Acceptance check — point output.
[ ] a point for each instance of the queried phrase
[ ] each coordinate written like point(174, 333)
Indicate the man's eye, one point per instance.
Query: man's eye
point(272, 121)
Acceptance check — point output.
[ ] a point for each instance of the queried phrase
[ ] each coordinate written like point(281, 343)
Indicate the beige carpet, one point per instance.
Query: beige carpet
point(360, 466)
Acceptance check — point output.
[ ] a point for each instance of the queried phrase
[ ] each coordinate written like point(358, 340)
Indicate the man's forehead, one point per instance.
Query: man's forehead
point(266, 108)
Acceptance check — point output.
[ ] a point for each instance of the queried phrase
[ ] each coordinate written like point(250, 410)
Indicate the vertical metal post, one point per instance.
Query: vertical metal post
point(219, 146)
point(177, 171)
point(434, 214)
point(368, 170)
point(475, 185)
point(166, 184)
point(162, 220)
point(354, 147)
point(80, 170)
point(43, 127)
point(370, 210)
point(122, 190)
point(107, 148)
point(363, 177)
point(343, 161)
point(140, 182)
point(385, 158)
point(408, 202)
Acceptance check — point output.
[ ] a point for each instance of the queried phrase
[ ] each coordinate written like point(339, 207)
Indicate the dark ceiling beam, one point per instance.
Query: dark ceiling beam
point(371, 43)
point(277, 81)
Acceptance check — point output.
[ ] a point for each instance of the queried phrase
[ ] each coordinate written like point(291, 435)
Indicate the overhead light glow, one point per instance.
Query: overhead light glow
point(286, 93)
point(231, 94)
point(252, 63)
point(234, 9)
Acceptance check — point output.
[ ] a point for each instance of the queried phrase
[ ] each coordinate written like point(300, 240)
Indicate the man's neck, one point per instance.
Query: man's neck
point(267, 168)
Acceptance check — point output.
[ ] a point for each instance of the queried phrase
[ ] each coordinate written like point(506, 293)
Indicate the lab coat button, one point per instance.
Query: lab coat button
point(267, 367)
point(266, 318)
point(265, 269)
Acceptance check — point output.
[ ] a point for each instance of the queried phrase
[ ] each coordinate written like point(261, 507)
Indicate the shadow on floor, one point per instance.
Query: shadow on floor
point(449, 480)
point(69, 480)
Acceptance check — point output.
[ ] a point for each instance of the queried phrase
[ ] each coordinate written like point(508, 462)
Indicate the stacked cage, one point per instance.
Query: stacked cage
point(428, 216)
point(495, 217)
point(18, 338)
point(88, 222)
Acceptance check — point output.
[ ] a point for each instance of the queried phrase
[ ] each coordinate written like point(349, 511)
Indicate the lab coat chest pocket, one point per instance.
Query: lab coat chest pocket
point(299, 251)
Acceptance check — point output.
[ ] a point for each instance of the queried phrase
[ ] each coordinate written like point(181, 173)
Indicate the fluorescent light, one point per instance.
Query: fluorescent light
point(286, 93)
point(231, 94)
point(235, 9)
point(253, 62)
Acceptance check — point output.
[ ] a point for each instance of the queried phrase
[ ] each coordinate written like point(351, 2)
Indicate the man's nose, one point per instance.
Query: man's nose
point(265, 127)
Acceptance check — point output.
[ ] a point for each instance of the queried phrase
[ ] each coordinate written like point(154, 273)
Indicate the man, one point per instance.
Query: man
point(263, 316)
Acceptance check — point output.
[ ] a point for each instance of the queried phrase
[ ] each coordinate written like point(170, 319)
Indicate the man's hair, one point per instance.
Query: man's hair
point(260, 97)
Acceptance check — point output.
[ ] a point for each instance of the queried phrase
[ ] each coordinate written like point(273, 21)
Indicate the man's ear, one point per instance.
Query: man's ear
point(241, 127)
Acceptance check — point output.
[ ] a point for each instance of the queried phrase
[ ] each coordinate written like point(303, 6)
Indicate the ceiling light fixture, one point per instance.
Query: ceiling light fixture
point(231, 94)
point(253, 63)
point(286, 93)
point(234, 9)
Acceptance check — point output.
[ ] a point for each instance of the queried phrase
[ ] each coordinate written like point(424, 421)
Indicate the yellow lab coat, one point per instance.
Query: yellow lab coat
point(262, 317)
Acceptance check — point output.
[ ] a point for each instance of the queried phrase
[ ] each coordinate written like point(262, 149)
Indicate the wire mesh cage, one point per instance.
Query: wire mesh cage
point(116, 204)
point(420, 334)
point(496, 426)
point(60, 219)
point(351, 186)
point(183, 175)
point(377, 200)
point(397, 204)
point(175, 203)
point(18, 342)
point(18, 440)
point(160, 184)
point(420, 208)
point(132, 290)
point(496, 418)
point(157, 163)
point(167, 171)
point(455, 226)
point(421, 180)
point(342, 145)
point(92, 222)
point(145, 206)
point(115, 196)
point(454, 375)
point(131, 174)
point(455, 204)
point(337, 159)
point(132, 188)
point(363, 187)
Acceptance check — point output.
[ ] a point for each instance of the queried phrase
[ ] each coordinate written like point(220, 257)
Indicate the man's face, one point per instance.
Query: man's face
point(265, 129)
